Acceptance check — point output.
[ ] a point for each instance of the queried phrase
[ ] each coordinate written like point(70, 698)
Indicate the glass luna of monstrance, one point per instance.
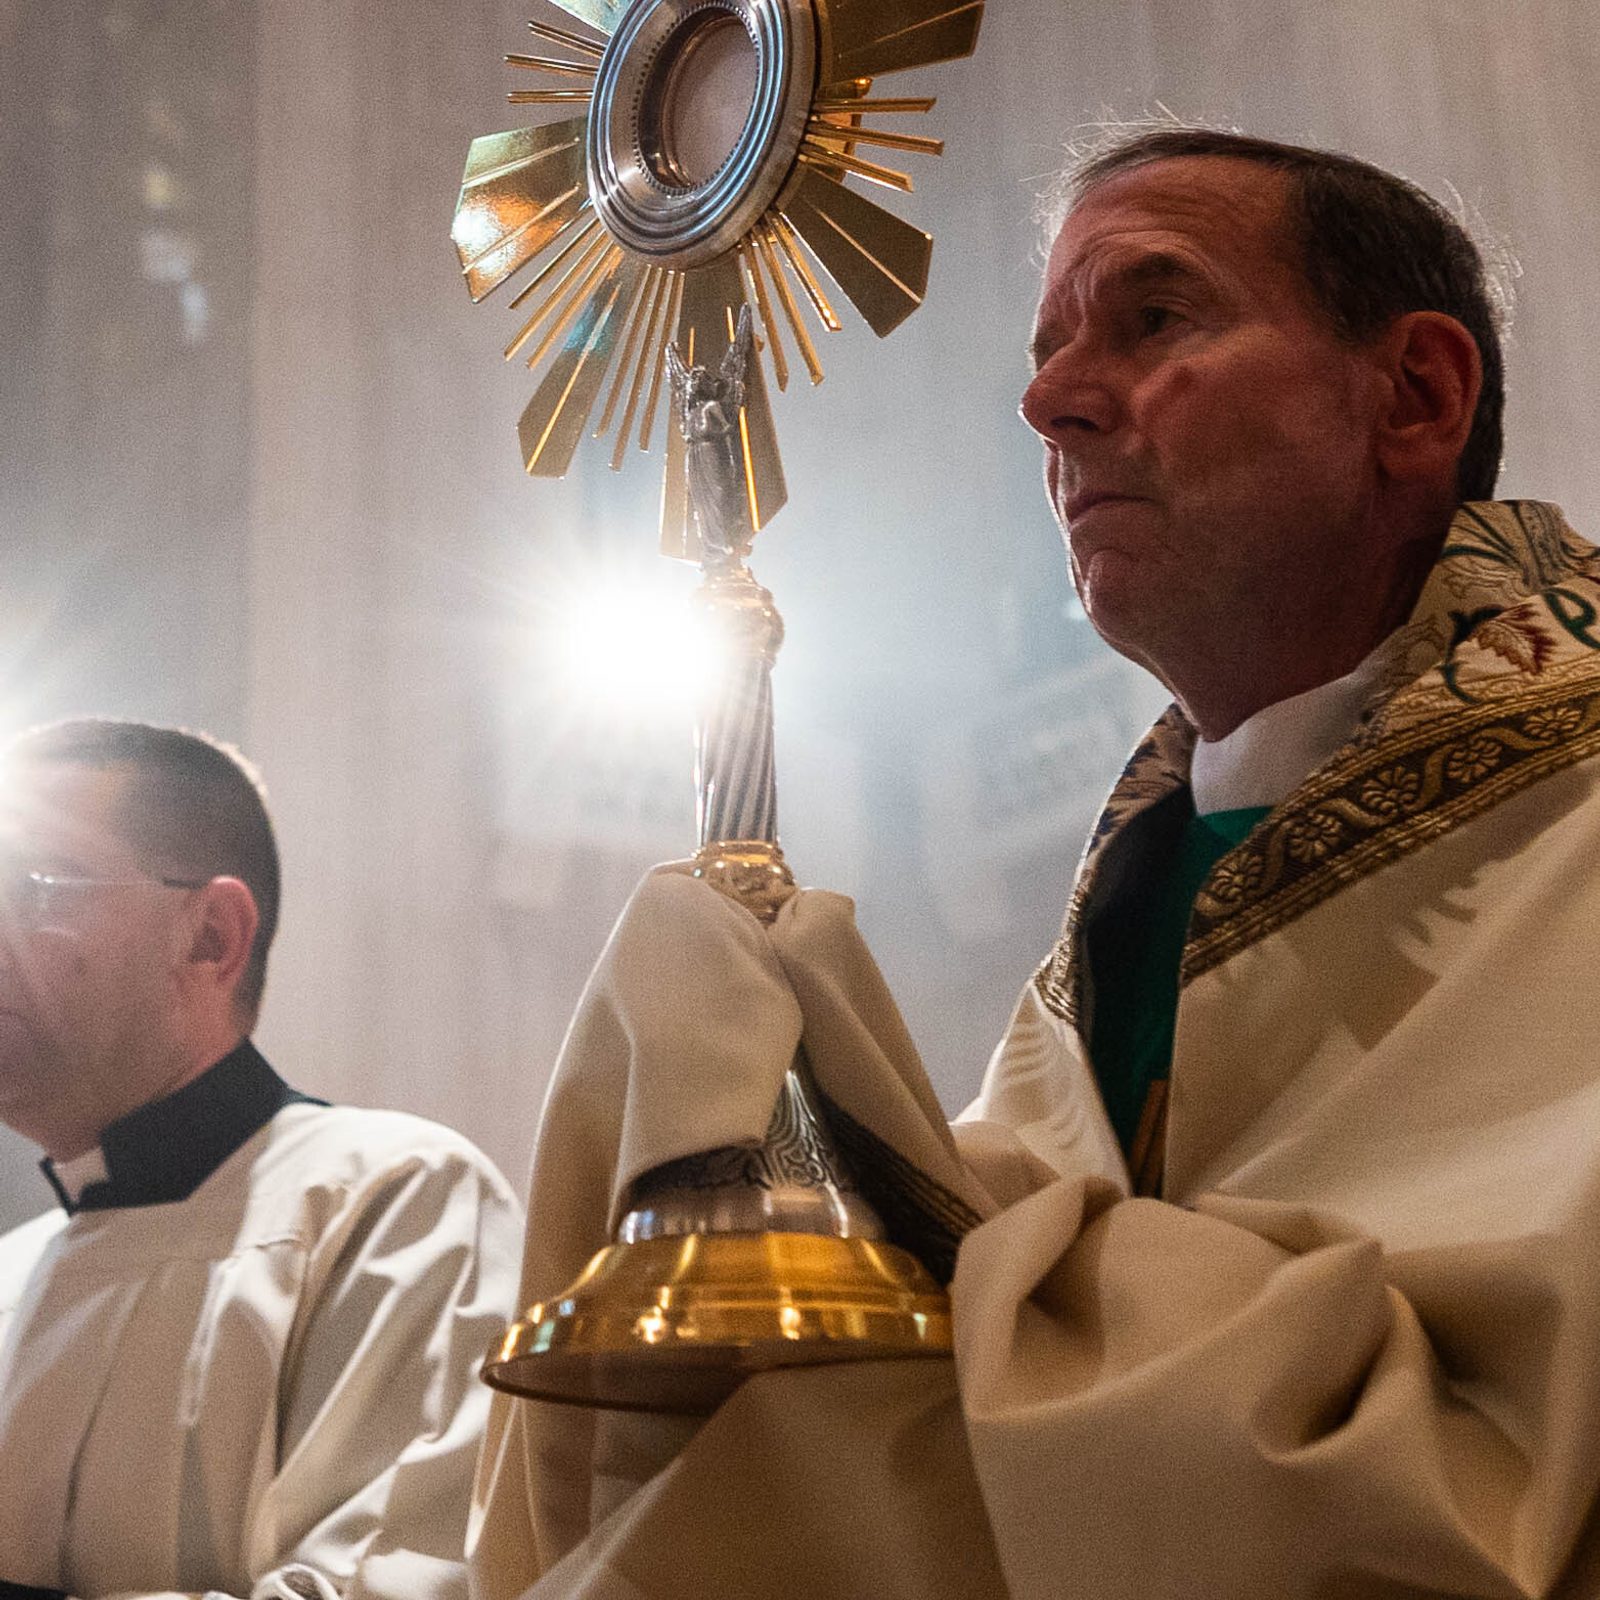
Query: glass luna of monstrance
point(690, 197)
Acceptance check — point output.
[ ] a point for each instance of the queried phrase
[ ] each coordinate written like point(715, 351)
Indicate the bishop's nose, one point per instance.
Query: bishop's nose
point(1065, 400)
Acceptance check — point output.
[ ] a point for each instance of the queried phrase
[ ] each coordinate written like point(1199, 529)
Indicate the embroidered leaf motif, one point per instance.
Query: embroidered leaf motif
point(1463, 624)
point(1514, 641)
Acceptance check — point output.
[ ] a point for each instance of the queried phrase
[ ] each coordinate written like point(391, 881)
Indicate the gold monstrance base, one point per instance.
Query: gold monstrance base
point(677, 1324)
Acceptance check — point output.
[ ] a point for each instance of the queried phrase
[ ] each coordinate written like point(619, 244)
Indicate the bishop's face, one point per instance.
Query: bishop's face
point(87, 962)
point(1208, 437)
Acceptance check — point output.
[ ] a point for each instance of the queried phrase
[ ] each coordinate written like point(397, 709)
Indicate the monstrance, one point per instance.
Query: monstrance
point(701, 190)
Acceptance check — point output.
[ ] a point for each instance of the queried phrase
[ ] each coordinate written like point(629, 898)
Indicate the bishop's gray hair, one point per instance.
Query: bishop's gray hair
point(1372, 246)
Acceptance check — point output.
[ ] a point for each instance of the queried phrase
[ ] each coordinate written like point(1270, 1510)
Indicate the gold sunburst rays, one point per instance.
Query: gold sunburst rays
point(619, 276)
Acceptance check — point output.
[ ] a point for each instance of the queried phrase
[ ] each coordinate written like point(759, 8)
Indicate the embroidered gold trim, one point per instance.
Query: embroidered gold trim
point(921, 1215)
point(1158, 765)
point(1059, 979)
point(1529, 583)
point(1379, 804)
point(1147, 1158)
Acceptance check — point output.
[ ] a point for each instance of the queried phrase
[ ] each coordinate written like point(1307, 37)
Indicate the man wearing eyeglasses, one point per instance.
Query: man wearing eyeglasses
point(240, 1358)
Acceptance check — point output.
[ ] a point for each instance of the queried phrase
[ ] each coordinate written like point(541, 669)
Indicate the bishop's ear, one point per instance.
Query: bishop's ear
point(224, 927)
point(1435, 374)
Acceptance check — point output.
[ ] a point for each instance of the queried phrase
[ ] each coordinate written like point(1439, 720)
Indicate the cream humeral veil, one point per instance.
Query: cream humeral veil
point(1352, 1351)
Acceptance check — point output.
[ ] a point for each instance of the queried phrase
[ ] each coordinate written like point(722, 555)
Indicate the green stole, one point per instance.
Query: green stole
point(1135, 946)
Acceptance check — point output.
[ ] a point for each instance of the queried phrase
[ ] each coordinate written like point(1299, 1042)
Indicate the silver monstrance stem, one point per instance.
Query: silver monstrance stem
point(736, 791)
point(795, 1181)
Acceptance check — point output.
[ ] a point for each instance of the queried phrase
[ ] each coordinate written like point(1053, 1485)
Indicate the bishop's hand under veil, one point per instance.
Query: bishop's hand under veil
point(680, 1044)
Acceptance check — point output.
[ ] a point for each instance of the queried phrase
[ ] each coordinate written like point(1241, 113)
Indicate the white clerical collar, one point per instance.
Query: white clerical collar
point(76, 1175)
point(1267, 755)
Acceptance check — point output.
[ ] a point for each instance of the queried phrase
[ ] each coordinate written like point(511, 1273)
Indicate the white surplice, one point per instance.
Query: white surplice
point(268, 1388)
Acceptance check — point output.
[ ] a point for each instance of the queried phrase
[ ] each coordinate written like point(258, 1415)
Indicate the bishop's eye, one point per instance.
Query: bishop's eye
point(1156, 319)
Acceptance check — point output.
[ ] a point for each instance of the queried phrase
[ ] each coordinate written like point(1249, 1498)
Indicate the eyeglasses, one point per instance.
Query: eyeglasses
point(29, 898)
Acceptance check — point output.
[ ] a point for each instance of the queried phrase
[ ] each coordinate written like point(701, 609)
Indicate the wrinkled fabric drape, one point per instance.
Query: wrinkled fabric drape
point(1349, 1353)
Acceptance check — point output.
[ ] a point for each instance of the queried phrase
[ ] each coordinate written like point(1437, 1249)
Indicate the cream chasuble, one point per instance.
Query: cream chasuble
point(1353, 1350)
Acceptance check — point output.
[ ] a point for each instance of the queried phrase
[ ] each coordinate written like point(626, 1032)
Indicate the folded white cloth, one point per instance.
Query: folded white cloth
point(680, 1044)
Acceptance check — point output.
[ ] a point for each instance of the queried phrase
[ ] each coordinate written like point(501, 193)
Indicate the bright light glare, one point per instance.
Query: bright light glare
point(630, 651)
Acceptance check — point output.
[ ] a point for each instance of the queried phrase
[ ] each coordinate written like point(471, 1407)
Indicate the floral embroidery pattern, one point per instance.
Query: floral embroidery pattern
point(1554, 722)
point(1311, 838)
point(1525, 647)
point(1476, 758)
point(1239, 875)
point(1492, 685)
point(1391, 793)
point(1355, 816)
